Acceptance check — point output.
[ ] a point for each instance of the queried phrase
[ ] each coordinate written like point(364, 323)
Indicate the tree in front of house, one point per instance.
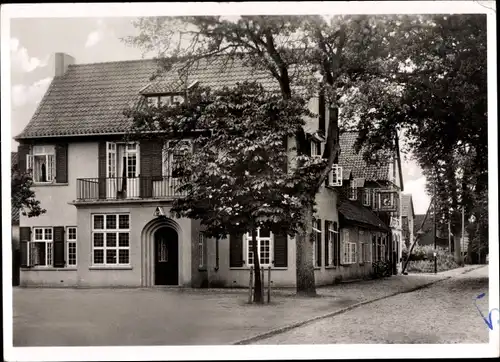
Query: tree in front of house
point(344, 51)
point(23, 196)
point(236, 178)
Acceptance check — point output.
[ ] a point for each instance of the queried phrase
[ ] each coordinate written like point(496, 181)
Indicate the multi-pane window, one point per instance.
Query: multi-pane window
point(111, 239)
point(165, 100)
point(367, 197)
point(353, 190)
point(315, 148)
point(349, 248)
point(264, 247)
point(173, 154)
point(40, 252)
point(201, 250)
point(71, 246)
point(316, 242)
point(42, 163)
point(366, 250)
point(336, 176)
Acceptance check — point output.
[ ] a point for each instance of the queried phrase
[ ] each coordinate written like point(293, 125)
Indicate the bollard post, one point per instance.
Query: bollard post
point(262, 284)
point(250, 286)
point(269, 284)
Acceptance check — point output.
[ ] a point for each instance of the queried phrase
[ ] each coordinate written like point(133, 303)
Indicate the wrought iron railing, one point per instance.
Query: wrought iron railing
point(116, 188)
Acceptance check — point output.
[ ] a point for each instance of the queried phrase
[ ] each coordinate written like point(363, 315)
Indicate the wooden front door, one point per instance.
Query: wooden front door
point(166, 257)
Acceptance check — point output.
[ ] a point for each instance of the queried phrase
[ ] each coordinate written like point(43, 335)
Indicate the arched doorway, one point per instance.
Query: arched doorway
point(166, 256)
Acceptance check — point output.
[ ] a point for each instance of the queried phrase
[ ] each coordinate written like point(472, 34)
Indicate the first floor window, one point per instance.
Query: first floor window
point(111, 239)
point(40, 252)
point(71, 246)
point(264, 247)
point(41, 162)
point(201, 250)
point(353, 190)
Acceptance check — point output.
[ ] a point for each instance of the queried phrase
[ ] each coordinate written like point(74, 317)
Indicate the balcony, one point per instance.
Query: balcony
point(127, 188)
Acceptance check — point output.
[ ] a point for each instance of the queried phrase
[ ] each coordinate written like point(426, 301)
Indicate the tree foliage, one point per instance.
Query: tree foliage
point(23, 196)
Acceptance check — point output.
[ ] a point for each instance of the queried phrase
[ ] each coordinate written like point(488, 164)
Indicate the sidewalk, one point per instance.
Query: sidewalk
point(118, 317)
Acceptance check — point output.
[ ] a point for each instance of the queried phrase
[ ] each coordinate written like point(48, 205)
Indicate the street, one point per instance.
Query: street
point(441, 313)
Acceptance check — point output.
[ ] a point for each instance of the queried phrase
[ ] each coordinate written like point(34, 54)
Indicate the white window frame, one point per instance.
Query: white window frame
point(105, 231)
point(316, 148)
point(49, 246)
point(353, 190)
point(349, 251)
point(331, 239)
point(47, 151)
point(173, 99)
point(71, 242)
point(317, 241)
point(247, 242)
point(168, 157)
point(336, 176)
point(201, 250)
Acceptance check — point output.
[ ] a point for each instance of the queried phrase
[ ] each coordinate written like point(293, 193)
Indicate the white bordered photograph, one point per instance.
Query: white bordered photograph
point(228, 181)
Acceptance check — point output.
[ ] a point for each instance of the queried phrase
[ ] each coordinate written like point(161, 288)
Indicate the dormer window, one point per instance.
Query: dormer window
point(353, 190)
point(165, 100)
point(315, 148)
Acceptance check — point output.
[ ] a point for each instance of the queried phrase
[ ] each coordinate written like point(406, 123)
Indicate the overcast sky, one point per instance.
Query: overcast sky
point(90, 40)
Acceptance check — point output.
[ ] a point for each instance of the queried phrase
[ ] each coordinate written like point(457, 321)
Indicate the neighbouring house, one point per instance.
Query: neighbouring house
point(108, 200)
point(427, 237)
point(15, 232)
point(408, 219)
point(377, 187)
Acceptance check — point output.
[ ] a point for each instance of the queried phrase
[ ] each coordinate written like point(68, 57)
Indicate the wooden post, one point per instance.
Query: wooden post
point(269, 284)
point(263, 282)
point(250, 286)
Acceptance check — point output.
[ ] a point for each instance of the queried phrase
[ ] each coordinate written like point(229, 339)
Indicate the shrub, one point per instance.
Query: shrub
point(422, 260)
point(381, 269)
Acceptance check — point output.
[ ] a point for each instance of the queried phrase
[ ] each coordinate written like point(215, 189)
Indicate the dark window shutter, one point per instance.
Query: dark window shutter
point(336, 245)
point(59, 259)
point(22, 151)
point(151, 165)
point(318, 243)
point(25, 238)
point(61, 163)
point(236, 250)
point(280, 250)
point(102, 169)
point(321, 111)
point(327, 252)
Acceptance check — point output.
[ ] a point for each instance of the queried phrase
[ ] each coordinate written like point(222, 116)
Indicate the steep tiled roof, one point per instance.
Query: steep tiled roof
point(407, 205)
point(353, 211)
point(90, 98)
point(13, 158)
point(354, 161)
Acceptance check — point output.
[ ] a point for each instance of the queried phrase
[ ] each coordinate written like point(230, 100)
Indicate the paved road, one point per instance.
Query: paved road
point(441, 313)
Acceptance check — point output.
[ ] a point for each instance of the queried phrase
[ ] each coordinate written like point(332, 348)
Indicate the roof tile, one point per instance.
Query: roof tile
point(354, 211)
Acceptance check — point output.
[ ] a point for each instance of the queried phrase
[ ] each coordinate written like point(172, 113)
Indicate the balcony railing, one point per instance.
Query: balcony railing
point(123, 188)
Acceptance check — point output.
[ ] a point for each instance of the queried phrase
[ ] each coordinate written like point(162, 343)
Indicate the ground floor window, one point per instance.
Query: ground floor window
point(40, 251)
point(264, 247)
point(110, 239)
point(71, 246)
point(349, 248)
point(201, 250)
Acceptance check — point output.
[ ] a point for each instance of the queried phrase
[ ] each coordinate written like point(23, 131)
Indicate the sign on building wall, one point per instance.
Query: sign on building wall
point(386, 200)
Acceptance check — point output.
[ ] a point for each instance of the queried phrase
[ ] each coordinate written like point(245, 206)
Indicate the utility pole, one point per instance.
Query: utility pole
point(435, 251)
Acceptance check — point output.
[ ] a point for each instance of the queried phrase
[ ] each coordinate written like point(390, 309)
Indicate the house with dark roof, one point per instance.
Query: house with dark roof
point(374, 188)
point(408, 219)
point(108, 198)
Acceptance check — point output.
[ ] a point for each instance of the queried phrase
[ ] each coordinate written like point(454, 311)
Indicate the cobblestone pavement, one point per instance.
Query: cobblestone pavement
point(166, 316)
point(441, 313)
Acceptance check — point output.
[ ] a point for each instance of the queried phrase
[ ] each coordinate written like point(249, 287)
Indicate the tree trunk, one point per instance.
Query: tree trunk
point(306, 285)
point(257, 291)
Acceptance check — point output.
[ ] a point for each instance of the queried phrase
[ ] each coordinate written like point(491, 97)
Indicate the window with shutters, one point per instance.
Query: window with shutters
point(40, 249)
point(71, 246)
point(349, 248)
point(41, 163)
point(264, 247)
point(317, 243)
point(110, 239)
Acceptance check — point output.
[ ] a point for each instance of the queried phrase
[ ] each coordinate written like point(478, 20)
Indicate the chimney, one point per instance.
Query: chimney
point(62, 61)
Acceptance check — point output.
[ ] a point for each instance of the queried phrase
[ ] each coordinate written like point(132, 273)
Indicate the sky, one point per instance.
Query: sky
point(33, 42)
